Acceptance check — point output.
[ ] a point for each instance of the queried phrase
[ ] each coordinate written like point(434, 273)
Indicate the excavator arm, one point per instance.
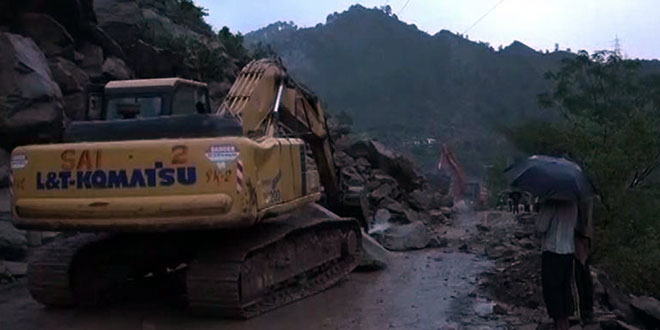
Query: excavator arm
point(268, 102)
point(451, 166)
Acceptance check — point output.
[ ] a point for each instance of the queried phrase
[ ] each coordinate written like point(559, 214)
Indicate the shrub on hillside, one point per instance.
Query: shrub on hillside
point(611, 126)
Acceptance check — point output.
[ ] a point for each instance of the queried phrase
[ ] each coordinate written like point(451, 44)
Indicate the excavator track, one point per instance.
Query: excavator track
point(49, 270)
point(274, 264)
point(97, 269)
point(237, 273)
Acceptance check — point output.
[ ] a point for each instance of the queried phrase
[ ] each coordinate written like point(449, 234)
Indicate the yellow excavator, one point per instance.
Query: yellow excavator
point(225, 199)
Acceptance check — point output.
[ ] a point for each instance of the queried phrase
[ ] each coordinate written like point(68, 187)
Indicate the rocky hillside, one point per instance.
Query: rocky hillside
point(52, 52)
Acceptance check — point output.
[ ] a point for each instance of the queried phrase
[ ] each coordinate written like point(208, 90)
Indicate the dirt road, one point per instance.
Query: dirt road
point(427, 289)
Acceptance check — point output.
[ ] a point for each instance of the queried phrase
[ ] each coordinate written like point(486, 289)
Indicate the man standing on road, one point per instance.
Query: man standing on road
point(515, 198)
point(557, 223)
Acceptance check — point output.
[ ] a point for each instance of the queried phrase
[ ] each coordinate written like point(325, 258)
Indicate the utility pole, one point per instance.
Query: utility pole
point(617, 46)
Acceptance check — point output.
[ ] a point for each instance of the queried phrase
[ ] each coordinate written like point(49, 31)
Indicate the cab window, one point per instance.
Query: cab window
point(189, 100)
point(134, 107)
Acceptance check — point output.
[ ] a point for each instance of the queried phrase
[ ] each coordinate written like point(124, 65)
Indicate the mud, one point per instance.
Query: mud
point(425, 289)
point(419, 290)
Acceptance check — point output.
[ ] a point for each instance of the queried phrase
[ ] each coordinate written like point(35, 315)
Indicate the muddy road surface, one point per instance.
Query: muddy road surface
point(425, 289)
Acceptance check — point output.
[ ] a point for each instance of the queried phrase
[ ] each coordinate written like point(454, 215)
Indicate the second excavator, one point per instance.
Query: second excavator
point(227, 200)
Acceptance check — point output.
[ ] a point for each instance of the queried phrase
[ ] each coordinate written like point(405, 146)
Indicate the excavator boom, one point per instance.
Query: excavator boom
point(269, 102)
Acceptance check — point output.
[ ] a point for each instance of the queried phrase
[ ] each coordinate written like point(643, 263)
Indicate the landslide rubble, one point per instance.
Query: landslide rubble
point(513, 287)
point(386, 191)
point(52, 53)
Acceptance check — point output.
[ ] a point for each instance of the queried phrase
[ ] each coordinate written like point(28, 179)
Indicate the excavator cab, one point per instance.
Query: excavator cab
point(147, 98)
point(150, 109)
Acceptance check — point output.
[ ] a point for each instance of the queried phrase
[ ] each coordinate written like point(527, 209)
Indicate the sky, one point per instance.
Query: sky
point(575, 24)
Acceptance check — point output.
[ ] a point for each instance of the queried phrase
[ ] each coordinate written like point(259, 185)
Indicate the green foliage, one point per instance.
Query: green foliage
point(183, 12)
point(208, 63)
point(495, 180)
point(192, 14)
point(611, 126)
point(629, 243)
point(262, 50)
point(204, 56)
point(611, 120)
point(233, 45)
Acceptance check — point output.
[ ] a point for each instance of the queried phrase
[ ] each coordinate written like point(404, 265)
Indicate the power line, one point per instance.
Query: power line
point(484, 16)
point(402, 8)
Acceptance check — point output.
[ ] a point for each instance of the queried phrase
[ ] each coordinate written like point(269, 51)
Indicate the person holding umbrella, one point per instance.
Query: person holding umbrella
point(556, 223)
point(562, 186)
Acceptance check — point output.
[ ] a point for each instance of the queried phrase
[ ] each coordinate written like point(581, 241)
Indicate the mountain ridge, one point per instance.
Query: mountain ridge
point(401, 84)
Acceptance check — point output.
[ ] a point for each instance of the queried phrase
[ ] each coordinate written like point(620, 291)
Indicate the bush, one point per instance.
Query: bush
point(208, 63)
point(628, 241)
point(611, 127)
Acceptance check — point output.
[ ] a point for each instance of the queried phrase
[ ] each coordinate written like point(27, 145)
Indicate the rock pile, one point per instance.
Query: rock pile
point(13, 242)
point(53, 53)
point(515, 283)
point(4, 168)
point(397, 205)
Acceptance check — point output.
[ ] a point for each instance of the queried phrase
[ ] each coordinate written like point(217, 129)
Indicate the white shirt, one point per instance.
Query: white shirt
point(557, 220)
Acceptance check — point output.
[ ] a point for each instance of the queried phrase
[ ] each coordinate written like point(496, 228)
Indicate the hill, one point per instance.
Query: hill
point(406, 87)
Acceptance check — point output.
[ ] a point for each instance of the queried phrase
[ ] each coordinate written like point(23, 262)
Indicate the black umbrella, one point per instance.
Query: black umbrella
point(549, 177)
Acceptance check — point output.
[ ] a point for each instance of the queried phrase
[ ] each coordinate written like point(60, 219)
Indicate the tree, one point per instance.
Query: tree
point(262, 50)
point(610, 124)
point(386, 9)
point(233, 43)
point(611, 118)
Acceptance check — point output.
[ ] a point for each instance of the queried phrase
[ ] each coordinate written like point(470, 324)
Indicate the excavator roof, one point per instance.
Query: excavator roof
point(149, 85)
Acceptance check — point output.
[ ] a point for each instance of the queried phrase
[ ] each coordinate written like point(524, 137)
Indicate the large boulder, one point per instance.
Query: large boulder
point(403, 237)
point(351, 177)
point(75, 106)
point(115, 69)
point(68, 75)
point(92, 61)
point(381, 192)
point(397, 166)
point(109, 45)
point(4, 168)
point(614, 297)
point(13, 242)
point(153, 62)
point(649, 310)
point(50, 35)
point(122, 20)
point(157, 25)
point(420, 200)
point(77, 16)
point(30, 101)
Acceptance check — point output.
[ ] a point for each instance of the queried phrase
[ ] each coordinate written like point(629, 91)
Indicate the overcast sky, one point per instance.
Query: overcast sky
point(575, 24)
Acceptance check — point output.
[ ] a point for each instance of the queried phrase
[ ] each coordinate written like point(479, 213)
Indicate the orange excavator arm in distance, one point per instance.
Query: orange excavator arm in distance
point(449, 163)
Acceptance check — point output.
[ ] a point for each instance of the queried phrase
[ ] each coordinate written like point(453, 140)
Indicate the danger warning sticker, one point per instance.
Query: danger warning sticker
point(18, 161)
point(223, 153)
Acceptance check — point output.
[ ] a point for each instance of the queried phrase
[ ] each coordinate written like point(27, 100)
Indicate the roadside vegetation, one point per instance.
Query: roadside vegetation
point(610, 125)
